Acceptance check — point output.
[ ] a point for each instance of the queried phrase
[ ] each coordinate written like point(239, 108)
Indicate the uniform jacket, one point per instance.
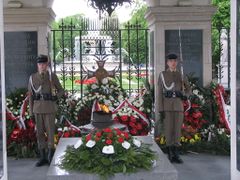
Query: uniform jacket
point(172, 104)
point(44, 106)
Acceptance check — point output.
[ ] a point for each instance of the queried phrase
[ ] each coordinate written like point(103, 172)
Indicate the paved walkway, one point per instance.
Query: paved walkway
point(195, 167)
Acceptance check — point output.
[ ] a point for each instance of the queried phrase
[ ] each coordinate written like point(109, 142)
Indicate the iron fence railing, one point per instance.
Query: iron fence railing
point(77, 51)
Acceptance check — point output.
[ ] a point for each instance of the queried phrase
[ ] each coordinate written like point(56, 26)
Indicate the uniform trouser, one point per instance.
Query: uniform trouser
point(45, 124)
point(172, 127)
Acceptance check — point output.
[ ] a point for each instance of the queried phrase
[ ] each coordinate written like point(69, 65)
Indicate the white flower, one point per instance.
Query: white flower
point(65, 129)
point(111, 108)
point(137, 142)
point(126, 145)
point(108, 149)
point(90, 143)
point(59, 129)
point(78, 144)
point(105, 81)
point(141, 108)
point(94, 86)
point(116, 104)
point(195, 91)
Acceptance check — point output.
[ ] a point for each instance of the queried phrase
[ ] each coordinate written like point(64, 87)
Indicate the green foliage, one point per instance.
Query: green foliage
point(219, 144)
point(122, 160)
point(222, 17)
point(64, 40)
point(134, 39)
point(220, 20)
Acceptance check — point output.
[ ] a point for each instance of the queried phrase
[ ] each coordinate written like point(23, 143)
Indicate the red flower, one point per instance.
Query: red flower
point(118, 131)
point(124, 118)
point(139, 126)
point(126, 135)
point(66, 134)
point(60, 134)
point(15, 135)
point(120, 140)
point(110, 135)
point(97, 138)
point(107, 130)
point(197, 115)
point(116, 118)
point(108, 141)
point(133, 131)
point(31, 124)
point(133, 119)
point(99, 134)
point(88, 137)
point(194, 105)
point(132, 124)
point(186, 113)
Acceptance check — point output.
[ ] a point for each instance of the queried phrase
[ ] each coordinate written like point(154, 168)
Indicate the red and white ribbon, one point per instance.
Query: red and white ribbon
point(139, 113)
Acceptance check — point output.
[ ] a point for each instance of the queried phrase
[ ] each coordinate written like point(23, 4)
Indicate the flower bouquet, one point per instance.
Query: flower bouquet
point(106, 152)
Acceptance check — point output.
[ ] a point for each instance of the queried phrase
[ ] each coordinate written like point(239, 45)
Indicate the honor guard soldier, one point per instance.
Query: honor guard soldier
point(44, 89)
point(173, 88)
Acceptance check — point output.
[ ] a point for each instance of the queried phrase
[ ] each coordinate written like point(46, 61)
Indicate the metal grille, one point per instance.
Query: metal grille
point(76, 49)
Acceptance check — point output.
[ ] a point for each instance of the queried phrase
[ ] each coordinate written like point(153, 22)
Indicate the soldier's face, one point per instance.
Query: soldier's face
point(172, 64)
point(42, 67)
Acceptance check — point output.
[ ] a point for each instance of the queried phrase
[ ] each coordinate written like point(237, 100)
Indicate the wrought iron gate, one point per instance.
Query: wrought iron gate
point(78, 49)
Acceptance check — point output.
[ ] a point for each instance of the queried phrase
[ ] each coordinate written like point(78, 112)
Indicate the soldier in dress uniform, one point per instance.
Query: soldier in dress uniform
point(44, 89)
point(173, 88)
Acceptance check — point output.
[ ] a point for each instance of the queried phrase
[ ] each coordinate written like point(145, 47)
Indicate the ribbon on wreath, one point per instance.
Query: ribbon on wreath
point(21, 118)
point(70, 125)
point(139, 113)
point(218, 92)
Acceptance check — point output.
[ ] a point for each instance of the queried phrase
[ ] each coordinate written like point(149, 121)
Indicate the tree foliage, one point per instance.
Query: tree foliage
point(134, 36)
point(220, 20)
point(64, 40)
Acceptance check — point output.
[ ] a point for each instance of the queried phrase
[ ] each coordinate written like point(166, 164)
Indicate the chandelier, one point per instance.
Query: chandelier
point(107, 5)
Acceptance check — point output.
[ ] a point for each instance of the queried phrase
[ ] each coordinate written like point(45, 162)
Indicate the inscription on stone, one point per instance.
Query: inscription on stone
point(192, 52)
point(20, 54)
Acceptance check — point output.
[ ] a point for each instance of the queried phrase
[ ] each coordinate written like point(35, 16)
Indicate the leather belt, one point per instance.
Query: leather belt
point(44, 97)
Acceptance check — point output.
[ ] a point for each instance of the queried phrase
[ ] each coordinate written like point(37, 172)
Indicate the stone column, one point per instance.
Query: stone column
point(165, 16)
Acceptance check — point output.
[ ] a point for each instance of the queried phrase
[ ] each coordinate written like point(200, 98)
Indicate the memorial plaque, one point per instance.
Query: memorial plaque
point(192, 50)
point(20, 54)
point(238, 88)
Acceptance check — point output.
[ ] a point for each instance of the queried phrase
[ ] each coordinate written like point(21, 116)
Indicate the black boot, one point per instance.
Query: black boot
point(42, 161)
point(170, 153)
point(50, 155)
point(176, 157)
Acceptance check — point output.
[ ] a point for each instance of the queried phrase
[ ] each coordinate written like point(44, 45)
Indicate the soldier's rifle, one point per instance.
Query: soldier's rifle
point(181, 67)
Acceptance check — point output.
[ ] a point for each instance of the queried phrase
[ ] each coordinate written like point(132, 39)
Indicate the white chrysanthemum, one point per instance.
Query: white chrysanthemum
point(195, 91)
point(105, 81)
point(94, 86)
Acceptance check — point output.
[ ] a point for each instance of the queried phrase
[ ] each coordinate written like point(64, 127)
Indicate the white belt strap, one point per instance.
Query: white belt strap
point(164, 83)
point(33, 88)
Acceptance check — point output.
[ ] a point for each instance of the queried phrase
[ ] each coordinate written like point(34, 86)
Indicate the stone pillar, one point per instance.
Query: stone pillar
point(26, 29)
point(193, 18)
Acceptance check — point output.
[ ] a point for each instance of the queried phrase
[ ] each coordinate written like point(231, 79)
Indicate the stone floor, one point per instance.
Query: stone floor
point(195, 167)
